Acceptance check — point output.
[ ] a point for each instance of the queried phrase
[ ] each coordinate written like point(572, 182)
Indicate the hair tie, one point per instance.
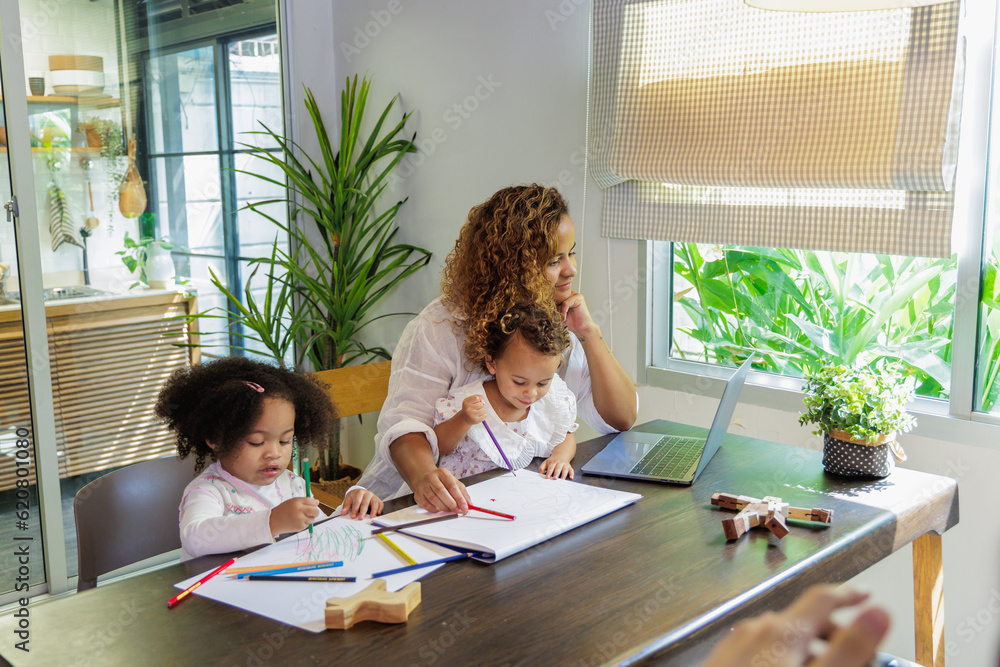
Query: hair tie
point(256, 387)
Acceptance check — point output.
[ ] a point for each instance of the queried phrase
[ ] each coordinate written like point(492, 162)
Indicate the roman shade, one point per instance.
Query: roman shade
point(717, 122)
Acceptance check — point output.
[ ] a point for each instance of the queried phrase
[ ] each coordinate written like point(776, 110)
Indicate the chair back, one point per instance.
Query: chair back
point(129, 515)
point(355, 390)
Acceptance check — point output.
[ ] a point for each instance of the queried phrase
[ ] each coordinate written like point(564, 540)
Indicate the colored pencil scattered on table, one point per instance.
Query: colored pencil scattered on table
point(500, 514)
point(395, 547)
point(296, 568)
point(447, 559)
point(265, 568)
point(305, 473)
point(291, 577)
point(384, 529)
point(183, 594)
point(499, 449)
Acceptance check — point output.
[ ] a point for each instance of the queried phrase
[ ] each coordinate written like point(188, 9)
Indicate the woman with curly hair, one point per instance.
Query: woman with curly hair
point(244, 414)
point(516, 247)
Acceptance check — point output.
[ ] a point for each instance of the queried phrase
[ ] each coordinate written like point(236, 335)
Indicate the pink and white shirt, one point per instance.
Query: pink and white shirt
point(546, 425)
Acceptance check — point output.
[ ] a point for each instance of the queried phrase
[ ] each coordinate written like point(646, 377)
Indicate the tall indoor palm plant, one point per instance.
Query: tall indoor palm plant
point(343, 260)
point(317, 296)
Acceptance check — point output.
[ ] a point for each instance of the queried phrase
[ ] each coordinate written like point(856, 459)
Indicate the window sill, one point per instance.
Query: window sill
point(785, 394)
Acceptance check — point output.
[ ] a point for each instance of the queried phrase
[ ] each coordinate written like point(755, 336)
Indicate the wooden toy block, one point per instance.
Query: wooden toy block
point(769, 511)
point(815, 514)
point(749, 517)
point(775, 523)
point(374, 603)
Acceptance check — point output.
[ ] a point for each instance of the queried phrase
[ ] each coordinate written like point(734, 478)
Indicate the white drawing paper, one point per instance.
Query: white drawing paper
point(543, 509)
point(301, 604)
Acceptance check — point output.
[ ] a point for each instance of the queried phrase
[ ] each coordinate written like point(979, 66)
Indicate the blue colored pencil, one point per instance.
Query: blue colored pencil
point(407, 568)
point(499, 449)
point(297, 568)
point(305, 473)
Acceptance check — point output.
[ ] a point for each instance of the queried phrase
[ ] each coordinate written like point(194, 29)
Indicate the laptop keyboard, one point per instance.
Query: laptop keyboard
point(671, 457)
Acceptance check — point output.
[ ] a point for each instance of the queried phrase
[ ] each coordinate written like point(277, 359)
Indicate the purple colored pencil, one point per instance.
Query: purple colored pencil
point(499, 449)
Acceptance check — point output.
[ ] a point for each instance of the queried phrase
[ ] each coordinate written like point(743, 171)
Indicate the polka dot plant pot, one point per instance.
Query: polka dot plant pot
point(856, 458)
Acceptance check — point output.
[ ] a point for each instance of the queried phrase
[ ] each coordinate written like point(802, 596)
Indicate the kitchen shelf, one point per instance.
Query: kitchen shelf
point(91, 102)
point(42, 149)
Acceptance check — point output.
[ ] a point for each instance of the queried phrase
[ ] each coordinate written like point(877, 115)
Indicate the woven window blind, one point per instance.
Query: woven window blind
point(720, 123)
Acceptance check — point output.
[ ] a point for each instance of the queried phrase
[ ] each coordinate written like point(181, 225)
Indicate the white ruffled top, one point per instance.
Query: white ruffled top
point(545, 426)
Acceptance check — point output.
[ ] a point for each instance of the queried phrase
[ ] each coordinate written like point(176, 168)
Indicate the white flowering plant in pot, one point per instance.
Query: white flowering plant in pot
point(859, 410)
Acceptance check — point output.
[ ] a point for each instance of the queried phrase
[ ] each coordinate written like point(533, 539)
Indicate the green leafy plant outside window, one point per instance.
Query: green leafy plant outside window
point(800, 310)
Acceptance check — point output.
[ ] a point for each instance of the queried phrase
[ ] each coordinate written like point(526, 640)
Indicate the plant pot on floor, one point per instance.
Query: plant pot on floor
point(338, 487)
point(845, 455)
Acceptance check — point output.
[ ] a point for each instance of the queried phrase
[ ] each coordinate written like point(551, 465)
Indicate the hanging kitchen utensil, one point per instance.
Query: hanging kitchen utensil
point(132, 195)
point(91, 222)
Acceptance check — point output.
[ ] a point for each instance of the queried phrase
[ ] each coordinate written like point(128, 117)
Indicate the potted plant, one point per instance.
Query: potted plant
point(106, 134)
point(859, 410)
point(314, 300)
point(149, 260)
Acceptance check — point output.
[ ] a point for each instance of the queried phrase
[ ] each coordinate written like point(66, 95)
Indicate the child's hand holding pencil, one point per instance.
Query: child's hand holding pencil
point(293, 515)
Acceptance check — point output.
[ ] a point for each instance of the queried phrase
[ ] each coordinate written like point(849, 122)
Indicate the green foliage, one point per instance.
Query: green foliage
point(320, 294)
point(864, 401)
point(800, 310)
point(272, 322)
point(113, 154)
point(136, 253)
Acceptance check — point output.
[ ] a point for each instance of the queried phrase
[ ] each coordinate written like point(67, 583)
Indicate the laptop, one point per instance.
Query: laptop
point(663, 457)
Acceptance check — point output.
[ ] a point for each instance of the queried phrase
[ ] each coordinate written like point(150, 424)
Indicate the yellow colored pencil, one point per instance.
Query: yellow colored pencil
point(395, 547)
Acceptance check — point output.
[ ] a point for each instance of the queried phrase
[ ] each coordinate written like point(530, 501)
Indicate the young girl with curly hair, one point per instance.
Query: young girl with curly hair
point(243, 415)
point(516, 247)
point(527, 406)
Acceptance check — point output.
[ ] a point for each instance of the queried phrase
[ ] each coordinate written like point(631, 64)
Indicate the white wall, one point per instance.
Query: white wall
point(499, 92)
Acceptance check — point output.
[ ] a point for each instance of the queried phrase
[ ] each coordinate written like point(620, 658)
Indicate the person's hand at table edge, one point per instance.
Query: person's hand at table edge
point(785, 638)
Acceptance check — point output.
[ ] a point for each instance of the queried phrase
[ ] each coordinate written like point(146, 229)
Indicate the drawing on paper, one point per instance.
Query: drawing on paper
point(342, 543)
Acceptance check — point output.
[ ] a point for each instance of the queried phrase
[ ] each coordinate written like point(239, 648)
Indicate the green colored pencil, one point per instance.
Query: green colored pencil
point(305, 473)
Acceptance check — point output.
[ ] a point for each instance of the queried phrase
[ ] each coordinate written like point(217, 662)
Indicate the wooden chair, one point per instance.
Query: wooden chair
point(129, 515)
point(354, 390)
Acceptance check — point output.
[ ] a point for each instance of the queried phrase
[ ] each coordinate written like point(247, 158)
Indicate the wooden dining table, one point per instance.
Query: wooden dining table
point(656, 582)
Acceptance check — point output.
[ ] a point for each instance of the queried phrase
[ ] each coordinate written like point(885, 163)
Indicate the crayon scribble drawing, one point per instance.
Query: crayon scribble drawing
point(343, 543)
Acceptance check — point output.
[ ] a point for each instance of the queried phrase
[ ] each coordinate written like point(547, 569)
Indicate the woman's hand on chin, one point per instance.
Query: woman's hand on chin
point(576, 315)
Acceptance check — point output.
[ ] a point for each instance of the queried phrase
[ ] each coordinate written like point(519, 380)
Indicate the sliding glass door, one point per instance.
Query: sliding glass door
point(123, 118)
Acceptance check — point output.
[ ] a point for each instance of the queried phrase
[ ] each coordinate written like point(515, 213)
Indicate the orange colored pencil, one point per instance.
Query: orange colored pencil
point(262, 568)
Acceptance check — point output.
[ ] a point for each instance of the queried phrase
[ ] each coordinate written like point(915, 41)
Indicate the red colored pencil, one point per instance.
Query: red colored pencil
point(183, 594)
point(480, 509)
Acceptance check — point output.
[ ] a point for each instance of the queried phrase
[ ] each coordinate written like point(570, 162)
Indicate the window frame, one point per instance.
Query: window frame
point(937, 418)
point(226, 153)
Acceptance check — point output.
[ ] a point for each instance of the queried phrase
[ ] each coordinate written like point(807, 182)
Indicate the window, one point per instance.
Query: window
point(714, 302)
point(187, 79)
point(206, 100)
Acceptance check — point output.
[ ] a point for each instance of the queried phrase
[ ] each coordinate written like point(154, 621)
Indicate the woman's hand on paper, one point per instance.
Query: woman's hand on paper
point(293, 515)
point(473, 410)
point(359, 502)
point(440, 491)
point(784, 639)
